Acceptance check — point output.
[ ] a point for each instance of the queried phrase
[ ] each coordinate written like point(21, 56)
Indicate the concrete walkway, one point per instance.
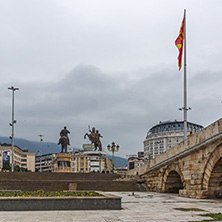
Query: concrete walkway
point(143, 206)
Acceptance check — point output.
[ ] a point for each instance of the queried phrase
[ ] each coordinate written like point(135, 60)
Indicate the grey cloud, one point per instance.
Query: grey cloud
point(123, 107)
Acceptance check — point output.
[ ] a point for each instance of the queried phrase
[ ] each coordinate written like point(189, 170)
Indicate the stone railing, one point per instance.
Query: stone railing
point(207, 134)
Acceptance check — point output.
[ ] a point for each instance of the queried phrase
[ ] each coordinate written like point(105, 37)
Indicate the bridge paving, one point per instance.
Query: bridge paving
point(140, 207)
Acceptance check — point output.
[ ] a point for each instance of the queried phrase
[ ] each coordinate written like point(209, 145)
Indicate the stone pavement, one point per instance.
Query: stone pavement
point(142, 207)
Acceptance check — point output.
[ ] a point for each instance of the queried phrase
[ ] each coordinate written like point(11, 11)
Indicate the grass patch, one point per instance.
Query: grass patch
point(41, 193)
point(148, 196)
point(189, 209)
point(215, 217)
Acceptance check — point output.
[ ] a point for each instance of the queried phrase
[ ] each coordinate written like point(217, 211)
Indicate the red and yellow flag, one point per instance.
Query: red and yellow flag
point(179, 44)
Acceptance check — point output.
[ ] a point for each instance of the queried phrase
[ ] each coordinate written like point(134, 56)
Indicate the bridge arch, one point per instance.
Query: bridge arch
point(212, 179)
point(173, 179)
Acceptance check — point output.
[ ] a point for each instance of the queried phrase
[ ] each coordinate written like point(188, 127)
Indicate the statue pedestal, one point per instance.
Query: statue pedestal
point(63, 162)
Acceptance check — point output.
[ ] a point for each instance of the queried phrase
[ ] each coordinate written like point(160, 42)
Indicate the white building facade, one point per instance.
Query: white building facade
point(80, 162)
point(22, 158)
point(44, 163)
point(88, 161)
point(164, 136)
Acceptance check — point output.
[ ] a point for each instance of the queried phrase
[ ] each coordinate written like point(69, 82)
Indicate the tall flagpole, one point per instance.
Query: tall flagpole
point(185, 80)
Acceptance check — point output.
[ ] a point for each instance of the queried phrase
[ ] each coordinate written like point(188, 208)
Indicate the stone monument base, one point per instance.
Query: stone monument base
point(62, 162)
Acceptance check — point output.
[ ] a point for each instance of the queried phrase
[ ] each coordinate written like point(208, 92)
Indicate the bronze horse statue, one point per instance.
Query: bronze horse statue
point(64, 142)
point(94, 141)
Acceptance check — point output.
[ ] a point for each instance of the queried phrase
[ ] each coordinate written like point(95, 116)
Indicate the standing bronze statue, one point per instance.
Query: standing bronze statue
point(64, 139)
point(94, 137)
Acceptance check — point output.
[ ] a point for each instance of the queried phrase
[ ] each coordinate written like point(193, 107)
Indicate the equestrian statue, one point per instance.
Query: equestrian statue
point(64, 139)
point(94, 137)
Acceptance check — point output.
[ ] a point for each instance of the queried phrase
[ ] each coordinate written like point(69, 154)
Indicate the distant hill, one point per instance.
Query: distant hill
point(49, 147)
point(32, 146)
point(119, 161)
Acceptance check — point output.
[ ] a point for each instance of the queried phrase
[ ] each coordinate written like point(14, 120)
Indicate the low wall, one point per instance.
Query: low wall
point(107, 202)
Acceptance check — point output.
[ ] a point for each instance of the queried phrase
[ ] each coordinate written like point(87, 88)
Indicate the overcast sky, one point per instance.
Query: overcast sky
point(108, 64)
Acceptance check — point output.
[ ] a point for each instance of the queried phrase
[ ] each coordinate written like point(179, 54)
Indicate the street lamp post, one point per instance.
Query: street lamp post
point(41, 139)
point(185, 120)
point(113, 148)
point(12, 124)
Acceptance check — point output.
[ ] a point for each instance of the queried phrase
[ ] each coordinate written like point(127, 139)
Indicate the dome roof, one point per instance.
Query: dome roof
point(174, 126)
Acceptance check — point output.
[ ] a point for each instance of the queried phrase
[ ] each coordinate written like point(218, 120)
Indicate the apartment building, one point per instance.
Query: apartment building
point(22, 158)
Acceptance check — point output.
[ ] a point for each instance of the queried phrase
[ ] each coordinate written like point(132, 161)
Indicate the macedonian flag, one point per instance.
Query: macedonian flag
point(179, 44)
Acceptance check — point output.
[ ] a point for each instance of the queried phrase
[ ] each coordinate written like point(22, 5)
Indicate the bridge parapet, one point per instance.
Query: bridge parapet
point(213, 130)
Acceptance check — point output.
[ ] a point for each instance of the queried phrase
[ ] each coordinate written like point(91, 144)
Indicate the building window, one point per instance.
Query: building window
point(131, 165)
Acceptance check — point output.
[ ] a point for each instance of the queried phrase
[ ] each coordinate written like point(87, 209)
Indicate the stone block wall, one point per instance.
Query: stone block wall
point(29, 181)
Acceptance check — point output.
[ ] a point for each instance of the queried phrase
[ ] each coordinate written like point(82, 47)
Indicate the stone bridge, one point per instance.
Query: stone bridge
point(193, 168)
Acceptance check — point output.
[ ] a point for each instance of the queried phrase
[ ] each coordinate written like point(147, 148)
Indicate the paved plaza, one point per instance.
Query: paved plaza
point(140, 207)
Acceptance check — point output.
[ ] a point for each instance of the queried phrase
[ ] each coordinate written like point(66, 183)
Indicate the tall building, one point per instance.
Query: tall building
point(22, 158)
point(165, 135)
